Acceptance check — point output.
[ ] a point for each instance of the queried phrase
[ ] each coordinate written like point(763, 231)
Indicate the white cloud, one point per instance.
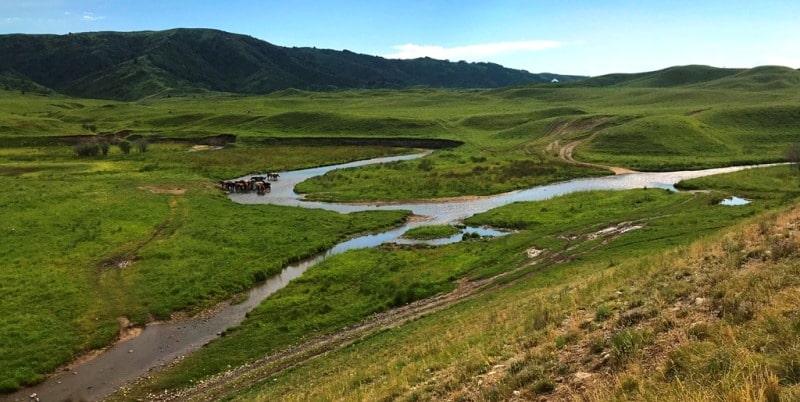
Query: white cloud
point(12, 20)
point(471, 52)
point(90, 17)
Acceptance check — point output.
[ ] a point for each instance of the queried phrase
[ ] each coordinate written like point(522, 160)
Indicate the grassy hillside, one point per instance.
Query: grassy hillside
point(136, 65)
point(759, 78)
point(666, 78)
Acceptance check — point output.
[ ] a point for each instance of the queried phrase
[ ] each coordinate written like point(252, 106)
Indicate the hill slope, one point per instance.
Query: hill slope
point(697, 76)
point(132, 65)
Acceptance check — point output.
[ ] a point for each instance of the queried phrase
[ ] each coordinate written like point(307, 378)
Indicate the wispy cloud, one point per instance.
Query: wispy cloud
point(11, 20)
point(91, 17)
point(472, 52)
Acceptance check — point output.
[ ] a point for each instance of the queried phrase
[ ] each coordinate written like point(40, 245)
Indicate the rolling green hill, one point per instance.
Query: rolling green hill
point(134, 65)
point(758, 78)
point(666, 78)
point(697, 76)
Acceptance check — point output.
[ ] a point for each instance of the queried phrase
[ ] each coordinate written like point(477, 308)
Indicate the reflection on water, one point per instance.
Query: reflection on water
point(480, 231)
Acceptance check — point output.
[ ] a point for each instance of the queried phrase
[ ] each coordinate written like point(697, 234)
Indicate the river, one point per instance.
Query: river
point(159, 344)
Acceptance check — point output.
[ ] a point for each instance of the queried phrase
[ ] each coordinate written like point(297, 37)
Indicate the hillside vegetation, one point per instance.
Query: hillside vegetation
point(136, 65)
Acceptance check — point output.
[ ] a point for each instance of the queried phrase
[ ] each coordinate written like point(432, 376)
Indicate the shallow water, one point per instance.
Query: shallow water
point(161, 343)
point(453, 211)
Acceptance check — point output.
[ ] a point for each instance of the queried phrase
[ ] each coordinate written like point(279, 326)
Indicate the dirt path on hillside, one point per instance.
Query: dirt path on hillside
point(565, 154)
point(565, 129)
point(236, 379)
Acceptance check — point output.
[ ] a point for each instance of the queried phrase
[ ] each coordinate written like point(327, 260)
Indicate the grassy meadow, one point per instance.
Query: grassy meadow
point(87, 240)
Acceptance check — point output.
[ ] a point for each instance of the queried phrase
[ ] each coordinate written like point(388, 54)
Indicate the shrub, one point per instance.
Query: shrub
point(566, 339)
point(141, 145)
point(426, 165)
point(626, 342)
point(124, 146)
point(87, 149)
point(104, 147)
point(544, 386)
point(603, 312)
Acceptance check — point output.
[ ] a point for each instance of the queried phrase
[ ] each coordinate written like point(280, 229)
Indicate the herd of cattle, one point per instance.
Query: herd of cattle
point(260, 184)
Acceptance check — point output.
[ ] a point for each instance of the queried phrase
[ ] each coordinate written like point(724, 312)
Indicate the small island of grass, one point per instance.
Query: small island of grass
point(431, 232)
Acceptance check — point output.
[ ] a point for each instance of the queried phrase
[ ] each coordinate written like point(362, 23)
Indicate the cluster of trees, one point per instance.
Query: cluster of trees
point(97, 147)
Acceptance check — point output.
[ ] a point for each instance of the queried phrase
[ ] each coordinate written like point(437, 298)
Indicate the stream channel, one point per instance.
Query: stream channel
point(159, 344)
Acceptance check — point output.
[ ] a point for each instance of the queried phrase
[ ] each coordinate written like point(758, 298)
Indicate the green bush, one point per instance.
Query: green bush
point(87, 149)
point(141, 145)
point(124, 146)
point(104, 147)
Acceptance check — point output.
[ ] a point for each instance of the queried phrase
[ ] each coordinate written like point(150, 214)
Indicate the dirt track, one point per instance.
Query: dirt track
point(565, 153)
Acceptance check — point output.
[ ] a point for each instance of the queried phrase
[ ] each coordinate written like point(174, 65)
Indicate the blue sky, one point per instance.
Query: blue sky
point(567, 37)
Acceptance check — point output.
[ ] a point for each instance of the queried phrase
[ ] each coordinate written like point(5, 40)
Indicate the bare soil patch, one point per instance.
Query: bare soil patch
point(565, 153)
point(164, 190)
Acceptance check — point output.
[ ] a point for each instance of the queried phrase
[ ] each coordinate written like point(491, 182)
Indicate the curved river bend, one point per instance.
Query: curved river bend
point(160, 343)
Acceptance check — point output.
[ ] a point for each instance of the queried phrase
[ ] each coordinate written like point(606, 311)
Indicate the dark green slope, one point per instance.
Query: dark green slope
point(132, 65)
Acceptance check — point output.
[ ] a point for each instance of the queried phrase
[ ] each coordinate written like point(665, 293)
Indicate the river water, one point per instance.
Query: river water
point(161, 343)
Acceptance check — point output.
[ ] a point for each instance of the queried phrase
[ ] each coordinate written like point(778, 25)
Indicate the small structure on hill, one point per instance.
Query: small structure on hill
point(554, 81)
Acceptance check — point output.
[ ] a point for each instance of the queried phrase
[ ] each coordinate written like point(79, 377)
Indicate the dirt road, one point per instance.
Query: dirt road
point(565, 153)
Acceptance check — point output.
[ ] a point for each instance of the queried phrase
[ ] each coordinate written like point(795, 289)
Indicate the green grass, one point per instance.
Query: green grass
point(449, 173)
point(759, 183)
point(68, 222)
point(431, 232)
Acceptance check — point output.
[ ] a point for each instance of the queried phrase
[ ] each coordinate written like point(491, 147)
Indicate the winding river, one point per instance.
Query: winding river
point(160, 343)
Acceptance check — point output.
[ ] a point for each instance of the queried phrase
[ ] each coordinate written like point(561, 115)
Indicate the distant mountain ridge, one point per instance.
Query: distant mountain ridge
point(135, 65)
